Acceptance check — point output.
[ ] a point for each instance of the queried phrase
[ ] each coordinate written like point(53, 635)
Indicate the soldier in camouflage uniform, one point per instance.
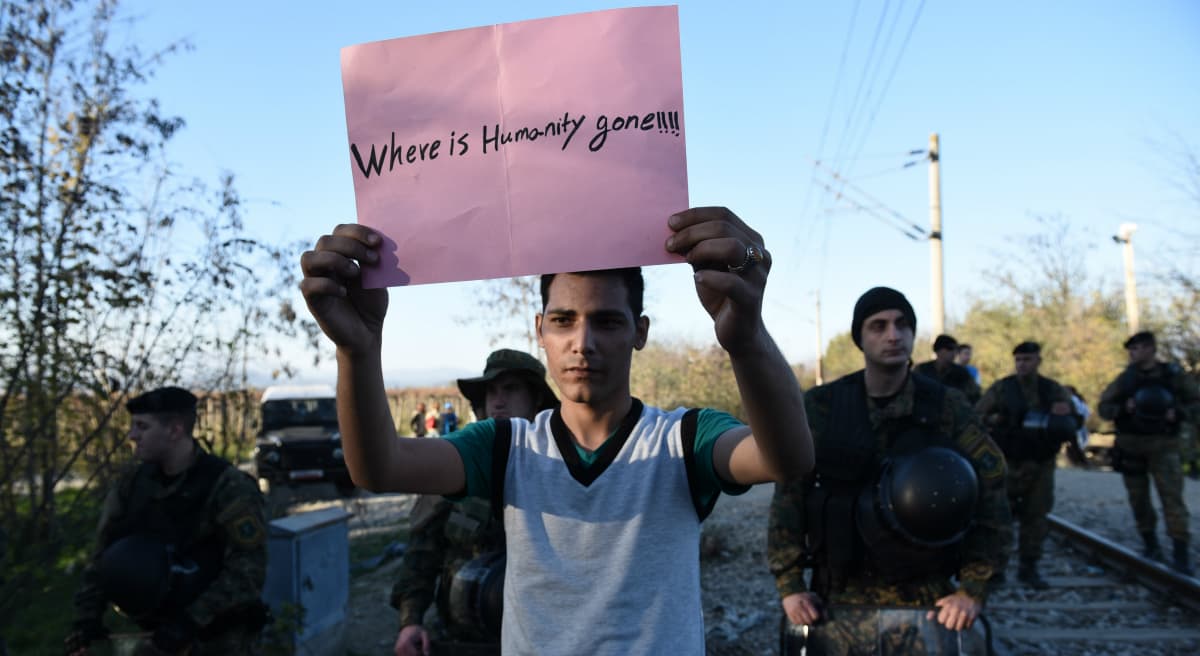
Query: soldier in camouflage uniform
point(1148, 402)
point(181, 543)
point(446, 535)
point(946, 371)
point(812, 524)
point(1029, 453)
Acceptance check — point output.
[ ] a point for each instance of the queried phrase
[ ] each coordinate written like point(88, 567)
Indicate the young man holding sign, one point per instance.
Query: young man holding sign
point(603, 498)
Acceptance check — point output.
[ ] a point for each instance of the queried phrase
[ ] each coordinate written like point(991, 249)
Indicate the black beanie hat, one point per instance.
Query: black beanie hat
point(875, 300)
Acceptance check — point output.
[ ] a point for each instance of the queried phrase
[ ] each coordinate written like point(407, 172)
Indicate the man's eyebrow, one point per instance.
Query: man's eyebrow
point(561, 312)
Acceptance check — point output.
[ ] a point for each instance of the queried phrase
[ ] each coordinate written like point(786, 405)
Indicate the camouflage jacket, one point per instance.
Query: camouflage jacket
point(443, 535)
point(233, 513)
point(982, 545)
point(955, 376)
point(1169, 375)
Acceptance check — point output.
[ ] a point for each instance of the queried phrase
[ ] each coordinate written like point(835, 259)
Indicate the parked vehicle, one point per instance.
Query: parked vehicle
point(299, 442)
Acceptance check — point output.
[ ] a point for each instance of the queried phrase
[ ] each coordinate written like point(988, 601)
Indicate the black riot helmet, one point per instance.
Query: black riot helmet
point(476, 596)
point(1152, 402)
point(134, 573)
point(926, 498)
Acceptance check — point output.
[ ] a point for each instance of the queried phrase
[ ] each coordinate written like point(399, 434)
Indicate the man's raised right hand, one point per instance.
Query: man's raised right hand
point(332, 286)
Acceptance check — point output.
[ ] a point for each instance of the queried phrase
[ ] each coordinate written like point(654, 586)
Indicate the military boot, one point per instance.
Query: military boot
point(1028, 573)
point(1152, 550)
point(1183, 561)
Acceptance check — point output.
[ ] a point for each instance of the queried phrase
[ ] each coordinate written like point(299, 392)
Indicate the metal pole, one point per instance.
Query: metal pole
point(937, 299)
point(1125, 238)
point(820, 354)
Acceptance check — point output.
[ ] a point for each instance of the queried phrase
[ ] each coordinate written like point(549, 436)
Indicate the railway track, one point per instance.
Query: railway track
point(1103, 599)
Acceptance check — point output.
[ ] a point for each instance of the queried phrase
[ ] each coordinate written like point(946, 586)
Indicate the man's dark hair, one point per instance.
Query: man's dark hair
point(1027, 348)
point(630, 276)
point(1143, 337)
point(945, 342)
point(963, 347)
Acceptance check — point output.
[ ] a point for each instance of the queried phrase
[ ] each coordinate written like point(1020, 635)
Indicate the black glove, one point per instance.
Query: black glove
point(175, 636)
point(84, 633)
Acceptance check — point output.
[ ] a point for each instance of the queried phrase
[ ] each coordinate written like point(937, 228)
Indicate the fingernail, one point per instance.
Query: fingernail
point(373, 239)
point(670, 243)
point(372, 256)
point(673, 220)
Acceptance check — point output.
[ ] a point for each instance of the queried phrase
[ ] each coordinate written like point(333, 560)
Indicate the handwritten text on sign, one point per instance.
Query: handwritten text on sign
point(465, 160)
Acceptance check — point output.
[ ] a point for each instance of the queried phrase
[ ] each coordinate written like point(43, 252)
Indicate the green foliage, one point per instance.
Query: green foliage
point(1043, 293)
point(278, 638)
point(674, 374)
point(121, 275)
point(841, 357)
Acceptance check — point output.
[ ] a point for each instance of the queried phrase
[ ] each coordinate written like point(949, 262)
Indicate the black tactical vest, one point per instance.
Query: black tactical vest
point(1164, 375)
point(1017, 443)
point(848, 462)
point(176, 520)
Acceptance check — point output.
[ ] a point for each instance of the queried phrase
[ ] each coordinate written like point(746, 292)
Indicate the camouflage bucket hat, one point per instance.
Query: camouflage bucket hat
point(504, 361)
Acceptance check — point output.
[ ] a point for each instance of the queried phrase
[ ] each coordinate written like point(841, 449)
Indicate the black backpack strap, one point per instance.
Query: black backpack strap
point(928, 398)
point(687, 437)
point(501, 444)
point(1014, 398)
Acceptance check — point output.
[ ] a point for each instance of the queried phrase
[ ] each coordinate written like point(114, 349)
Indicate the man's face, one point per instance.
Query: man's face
point(1141, 353)
point(508, 396)
point(945, 355)
point(964, 356)
point(589, 334)
point(153, 436)
point(887, 339)
point(421, 407)
point(1026, 364)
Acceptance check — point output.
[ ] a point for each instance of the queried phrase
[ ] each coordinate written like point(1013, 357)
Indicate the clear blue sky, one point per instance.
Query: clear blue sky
point(1042, 108)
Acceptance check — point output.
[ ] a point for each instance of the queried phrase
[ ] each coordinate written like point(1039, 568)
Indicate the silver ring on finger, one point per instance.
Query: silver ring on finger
point(754, 255)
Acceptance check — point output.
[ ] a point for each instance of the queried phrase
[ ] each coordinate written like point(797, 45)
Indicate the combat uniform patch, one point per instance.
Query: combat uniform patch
point(246, 531)
point(991, 461)
point(243, 521)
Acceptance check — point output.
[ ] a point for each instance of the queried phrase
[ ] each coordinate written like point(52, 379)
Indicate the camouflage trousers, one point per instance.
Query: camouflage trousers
point(1165, 468)
point(1030, 486)
point(870, 632)
point(234, 643)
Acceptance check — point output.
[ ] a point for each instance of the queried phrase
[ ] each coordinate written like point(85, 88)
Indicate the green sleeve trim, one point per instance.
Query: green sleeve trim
point(474, 444)
point(710, 425)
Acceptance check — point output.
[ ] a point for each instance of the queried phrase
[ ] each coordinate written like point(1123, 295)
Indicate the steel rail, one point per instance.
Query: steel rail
point(1175, 587)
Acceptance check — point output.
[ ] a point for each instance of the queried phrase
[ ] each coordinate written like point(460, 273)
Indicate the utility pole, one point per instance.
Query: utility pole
point(820, 354)
point(937, 299)
point(1124, 237)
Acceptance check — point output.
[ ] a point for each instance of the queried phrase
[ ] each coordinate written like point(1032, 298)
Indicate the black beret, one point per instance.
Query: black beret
point(1027, 347)
point(874, 301)
point(1143, 337)
point(944, 342)
point(163, 399)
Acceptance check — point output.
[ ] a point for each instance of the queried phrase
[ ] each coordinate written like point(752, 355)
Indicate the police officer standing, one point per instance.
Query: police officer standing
point(1029, 417)
point(181, 544)
point(1148, 401)
point(946, 371)
point(868, 521)
point(449, 539)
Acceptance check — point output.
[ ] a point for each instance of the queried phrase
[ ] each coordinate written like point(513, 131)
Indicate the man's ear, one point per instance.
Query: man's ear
point(642, 326)
point(537, 328)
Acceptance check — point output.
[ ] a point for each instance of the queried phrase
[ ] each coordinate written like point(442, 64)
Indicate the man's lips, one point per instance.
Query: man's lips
point(581, 372)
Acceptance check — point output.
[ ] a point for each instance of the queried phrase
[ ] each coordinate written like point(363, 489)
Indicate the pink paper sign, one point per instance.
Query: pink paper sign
point(541, 146)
